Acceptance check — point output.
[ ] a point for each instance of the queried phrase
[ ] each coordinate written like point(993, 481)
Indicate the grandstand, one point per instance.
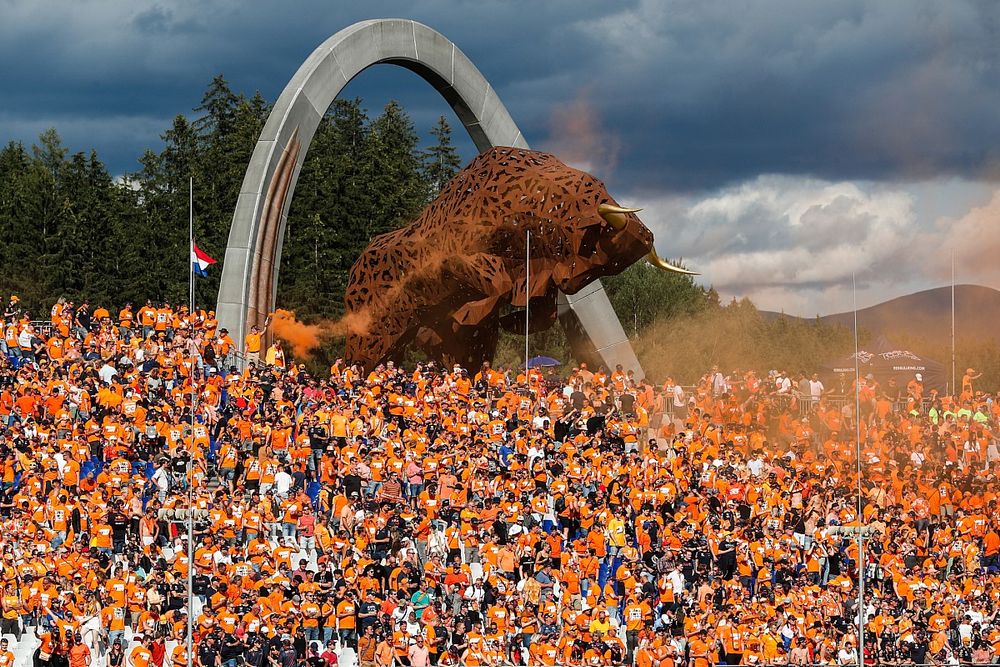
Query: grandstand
point(476, 516)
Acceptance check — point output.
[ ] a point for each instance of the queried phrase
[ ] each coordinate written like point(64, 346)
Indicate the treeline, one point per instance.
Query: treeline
point(70, 229)
point(738, 336)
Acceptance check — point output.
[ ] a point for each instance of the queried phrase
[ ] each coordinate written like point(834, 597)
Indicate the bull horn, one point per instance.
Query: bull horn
point(616, 221)
point(610, 208)
point(660, 263)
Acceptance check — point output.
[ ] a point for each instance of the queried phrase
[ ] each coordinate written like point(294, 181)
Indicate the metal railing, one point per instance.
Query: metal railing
point(44, 328)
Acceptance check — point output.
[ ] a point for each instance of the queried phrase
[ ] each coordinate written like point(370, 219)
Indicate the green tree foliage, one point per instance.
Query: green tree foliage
point(361, 178)
point(643, 293)
point(736, 337)
point(441, 160)
point(71, 229)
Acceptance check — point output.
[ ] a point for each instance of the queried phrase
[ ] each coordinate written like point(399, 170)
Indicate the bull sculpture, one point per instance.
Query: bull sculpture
point(444, 282)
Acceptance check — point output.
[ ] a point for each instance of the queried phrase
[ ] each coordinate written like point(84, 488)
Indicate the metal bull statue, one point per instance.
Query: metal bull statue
point(446, 282)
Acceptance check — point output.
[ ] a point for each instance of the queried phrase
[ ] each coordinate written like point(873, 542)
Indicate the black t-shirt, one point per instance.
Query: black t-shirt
point(177, 595)
point(352, 484)
point(232, 647)
point(457, 639)
point(323, 577)
point(257, 649)
point(367, 608)
point(207, 654)
point(318, 436)
point(595, 424)
point(119, 525)
point(745, 511)
point(577, 398)
point(179, 464)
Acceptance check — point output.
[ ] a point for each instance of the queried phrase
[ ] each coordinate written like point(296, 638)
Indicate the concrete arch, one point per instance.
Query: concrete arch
point(250, 272)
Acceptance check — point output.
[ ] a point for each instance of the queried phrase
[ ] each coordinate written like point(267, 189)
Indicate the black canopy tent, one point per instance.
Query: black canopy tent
point(885, 360)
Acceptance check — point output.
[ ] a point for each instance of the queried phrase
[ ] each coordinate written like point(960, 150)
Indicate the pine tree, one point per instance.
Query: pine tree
point(227, 131)
point(395, 183)
point(323, 239)
point(72, 230)
point(219, 106)
point(441, 160)
point(165, 181)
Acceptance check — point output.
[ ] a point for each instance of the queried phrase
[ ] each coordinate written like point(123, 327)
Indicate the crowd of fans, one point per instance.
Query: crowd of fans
point(475, 516)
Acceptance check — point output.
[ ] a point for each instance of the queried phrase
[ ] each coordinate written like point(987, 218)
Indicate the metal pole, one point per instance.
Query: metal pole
point(527, 299)
point(857, 428)
point(953, 376)
point(190, 463)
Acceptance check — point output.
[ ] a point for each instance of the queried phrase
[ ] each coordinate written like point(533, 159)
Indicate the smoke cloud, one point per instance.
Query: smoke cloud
point(303, 338)
point(578, 138)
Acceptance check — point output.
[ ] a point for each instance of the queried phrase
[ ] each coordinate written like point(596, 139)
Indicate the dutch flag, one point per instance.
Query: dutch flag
point(200, 261)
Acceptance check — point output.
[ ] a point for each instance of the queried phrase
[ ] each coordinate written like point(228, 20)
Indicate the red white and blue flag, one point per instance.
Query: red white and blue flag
point(200, 261)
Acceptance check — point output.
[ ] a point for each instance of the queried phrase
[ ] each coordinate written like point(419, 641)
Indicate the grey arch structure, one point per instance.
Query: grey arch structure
point(250, 271)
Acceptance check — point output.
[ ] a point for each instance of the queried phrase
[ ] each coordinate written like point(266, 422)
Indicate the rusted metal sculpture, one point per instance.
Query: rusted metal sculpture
point(443, 282)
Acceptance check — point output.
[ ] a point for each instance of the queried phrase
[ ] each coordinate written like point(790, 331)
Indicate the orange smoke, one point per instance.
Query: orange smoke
point(576, 136)
point(351, 324)
point(301, 337)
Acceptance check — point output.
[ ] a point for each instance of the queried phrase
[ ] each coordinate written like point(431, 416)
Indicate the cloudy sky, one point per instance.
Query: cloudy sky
point(778, 146)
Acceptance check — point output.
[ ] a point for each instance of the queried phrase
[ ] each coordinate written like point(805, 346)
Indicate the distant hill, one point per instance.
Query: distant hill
point(927, 315)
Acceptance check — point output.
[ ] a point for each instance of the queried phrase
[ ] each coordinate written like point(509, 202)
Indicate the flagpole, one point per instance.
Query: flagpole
point(527, 301)
point(861, 507)
point(953, 376)
point(190, 463)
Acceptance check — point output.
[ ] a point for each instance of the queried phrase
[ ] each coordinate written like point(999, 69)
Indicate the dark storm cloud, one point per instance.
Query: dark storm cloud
point(693, 94)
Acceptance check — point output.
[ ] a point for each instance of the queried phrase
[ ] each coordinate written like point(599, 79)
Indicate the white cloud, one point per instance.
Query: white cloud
point(794, 244)
point(974, 238)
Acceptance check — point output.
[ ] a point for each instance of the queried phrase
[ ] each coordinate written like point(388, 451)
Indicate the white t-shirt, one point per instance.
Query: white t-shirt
point(847, 656)
point(106, 373)
point(679, 399)
point(815, 388)
point(282, 483)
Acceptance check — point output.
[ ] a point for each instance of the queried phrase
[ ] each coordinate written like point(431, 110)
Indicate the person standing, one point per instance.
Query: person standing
point(252, 342)
point(367, 646)
point(10, 624)
point(418, 653)
point(385, 654)
point(140, 655)
point(275, 355)
point(79, 653)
